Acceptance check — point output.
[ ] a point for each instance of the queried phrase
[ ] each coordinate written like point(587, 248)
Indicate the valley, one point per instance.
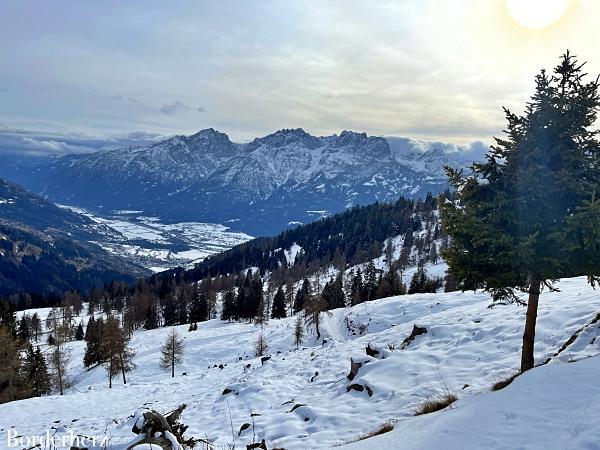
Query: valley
point(157, 245)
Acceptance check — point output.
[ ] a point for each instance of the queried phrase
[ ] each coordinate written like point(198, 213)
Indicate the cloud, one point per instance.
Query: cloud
point(472, 151)
point(174, 108)
point(14, 141)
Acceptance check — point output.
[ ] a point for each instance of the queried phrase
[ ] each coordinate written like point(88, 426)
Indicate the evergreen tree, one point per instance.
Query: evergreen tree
point(229, 307)
point(278, 308)
point(36, 372)
point(199, 308)
point(24, 331)
point(528, 215)
point(170, 312)
point(303, 296)
point(151, 320)
point(357, 289)
point(79, 333)
point(370, 286)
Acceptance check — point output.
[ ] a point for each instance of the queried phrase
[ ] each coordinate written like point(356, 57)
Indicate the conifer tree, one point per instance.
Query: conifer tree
point(151, 320)
point(528, 215)
point(370, 286)
point(278, 308)
point(229, 308)
point(79, 333)
point(36, 372)
point(357, 289)
point(303, 295)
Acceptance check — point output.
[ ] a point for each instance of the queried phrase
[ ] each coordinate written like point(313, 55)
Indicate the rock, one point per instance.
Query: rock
point(355, 387)
point(416, 331)
point(314, 376)
point(248, 365)
point(262, 445)
point(359, 388)
point(354, 367)
point(227, 391)
point(371, 351)
point(221, 366)
point(264, 359)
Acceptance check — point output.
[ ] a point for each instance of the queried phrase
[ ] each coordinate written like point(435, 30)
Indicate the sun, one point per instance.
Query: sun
point(537, 14)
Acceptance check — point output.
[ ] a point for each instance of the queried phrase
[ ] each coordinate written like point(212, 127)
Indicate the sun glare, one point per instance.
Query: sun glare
point(537, 14)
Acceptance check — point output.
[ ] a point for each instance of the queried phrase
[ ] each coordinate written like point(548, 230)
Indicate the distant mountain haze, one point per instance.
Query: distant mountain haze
point(260, 187)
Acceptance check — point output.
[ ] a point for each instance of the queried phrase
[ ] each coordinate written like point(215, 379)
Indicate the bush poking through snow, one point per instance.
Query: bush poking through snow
point(436, 404)
point(501, 384)
point(385, 428)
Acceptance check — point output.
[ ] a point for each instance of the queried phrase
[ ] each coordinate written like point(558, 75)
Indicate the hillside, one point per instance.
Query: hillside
point(47, 250)
point(261, 187)
point(300, 397)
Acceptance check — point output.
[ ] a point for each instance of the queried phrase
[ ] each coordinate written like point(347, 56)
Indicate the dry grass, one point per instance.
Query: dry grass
point(385, 428)
point(436, 404)
point(501, 384)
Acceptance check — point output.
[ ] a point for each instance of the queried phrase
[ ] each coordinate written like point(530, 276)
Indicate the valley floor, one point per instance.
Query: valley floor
point(468, 346)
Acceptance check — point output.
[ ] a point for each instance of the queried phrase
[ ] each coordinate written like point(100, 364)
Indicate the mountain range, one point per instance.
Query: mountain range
point(261, 187)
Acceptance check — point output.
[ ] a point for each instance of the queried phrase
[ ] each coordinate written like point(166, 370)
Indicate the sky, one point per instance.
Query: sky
point(427, 69)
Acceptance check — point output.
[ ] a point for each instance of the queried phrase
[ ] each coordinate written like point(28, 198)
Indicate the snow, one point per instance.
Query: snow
point(159, 246)
point(467, 343)
point(548, 407)
point(292, 253)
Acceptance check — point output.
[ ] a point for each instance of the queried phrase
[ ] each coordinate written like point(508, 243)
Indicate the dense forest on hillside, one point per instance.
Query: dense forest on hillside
point(355, 236)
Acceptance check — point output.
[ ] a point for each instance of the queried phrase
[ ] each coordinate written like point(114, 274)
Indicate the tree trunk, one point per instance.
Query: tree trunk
point(173, 365)
point(530, 322)
point(110, 373)
point(122, 368)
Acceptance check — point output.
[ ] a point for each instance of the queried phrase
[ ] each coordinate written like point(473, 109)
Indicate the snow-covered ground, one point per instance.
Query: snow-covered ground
point(468, 346)
point(159, 246)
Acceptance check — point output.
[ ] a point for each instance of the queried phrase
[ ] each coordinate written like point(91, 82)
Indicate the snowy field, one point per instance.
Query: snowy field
point(299, 397)
point(159, 246)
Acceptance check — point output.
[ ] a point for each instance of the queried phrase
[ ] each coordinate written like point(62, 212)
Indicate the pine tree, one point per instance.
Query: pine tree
point(370, 286)
point(79, 333)
point(528, 215)
point(151, 320)
point(278, 309)
point(36, 372)
point(199, 308)
point(229, 306)
point(172, 352)
point(303, 295)
point(24, 331)
point(93, 337)
point(357, 289)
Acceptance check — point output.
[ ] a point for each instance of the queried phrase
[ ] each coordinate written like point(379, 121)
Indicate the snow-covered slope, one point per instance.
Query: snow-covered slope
point(263, 186)
point(467, 347)
point(550, 407)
